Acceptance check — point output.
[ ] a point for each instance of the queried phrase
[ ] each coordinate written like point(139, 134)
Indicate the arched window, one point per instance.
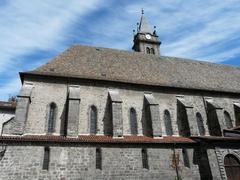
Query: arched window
point(168, 123)
point(232, 167)
point(98, 158)
point(93, 120)
point(185, 158)
point(200, 124)
point(46, 158)
point(133, 122)
point(145, 159)
point(52, 117)
point(228, 119)
point(152, 51)
point(148, 50)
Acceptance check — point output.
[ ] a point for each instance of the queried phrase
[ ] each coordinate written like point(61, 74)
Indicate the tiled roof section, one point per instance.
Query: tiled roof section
point(216, 139)
point(232, 132)
point(96, 139)
point(7, 105)
point(237, 128)
point(134, 67)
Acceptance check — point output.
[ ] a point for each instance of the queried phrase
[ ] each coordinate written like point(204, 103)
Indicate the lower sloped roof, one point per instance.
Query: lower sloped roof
point(134, 67)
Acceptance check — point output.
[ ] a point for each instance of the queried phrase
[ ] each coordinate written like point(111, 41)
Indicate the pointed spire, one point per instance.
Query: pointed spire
point(144, 25)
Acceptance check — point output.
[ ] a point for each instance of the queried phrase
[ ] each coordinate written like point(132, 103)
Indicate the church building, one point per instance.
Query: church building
point(95, 113)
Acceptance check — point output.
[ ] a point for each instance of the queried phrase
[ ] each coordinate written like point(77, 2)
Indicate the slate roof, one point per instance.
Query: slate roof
point(134, 67)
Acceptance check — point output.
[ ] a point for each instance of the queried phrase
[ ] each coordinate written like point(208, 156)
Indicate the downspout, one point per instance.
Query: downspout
point(175, 161)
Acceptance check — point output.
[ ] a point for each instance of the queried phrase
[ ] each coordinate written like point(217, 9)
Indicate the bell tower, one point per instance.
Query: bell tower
point(145, 39)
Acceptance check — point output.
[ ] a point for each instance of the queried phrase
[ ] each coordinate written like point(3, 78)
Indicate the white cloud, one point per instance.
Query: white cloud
point(198, 29)
point(37, 25)
point(193, 29)
point(28, 26)
point(196, 44)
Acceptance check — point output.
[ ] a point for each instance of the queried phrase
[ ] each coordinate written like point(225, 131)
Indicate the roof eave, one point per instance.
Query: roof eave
point(30, 73)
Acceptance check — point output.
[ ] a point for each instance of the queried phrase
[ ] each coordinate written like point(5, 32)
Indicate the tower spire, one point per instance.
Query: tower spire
point(146, 39)
point(144, 26)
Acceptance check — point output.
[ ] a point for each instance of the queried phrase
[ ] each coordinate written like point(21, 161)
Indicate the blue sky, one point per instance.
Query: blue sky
point(33, 32)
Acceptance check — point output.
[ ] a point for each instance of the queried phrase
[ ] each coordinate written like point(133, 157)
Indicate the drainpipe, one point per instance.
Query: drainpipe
point(175, 161)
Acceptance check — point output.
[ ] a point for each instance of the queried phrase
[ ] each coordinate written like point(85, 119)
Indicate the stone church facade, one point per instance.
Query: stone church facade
point(98, 113)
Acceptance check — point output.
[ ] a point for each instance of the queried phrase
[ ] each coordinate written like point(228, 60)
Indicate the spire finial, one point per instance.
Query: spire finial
point(142, 11)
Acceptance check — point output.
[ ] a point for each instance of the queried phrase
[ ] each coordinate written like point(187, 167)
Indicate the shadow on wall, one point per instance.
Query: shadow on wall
point(200, 158)
point(63, 118)
point(146, 120)
point(182, 120)
point(212, 121)
point(107, 119)
point(237, 115)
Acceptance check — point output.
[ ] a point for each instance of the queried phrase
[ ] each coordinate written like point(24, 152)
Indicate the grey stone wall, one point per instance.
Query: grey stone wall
point(76, 162)
point(73, 111)
point(79, 162)
point(45, 92)
point(5, 116)
point(220, 155)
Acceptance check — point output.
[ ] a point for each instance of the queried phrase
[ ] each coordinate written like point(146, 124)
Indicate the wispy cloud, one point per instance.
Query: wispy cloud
point(199, 29)
point(32, 26)
point(195, 29)
point(42, 24)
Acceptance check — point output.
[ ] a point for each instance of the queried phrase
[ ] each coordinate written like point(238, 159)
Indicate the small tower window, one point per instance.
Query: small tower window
point(145, 159)
point(46, 158)
point(93, 120)
point(98, 158)
point(152, 51)
point(133, 122)
point(52, 117)
point(148, 50)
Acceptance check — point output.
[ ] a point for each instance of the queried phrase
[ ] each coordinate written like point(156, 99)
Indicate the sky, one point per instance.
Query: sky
point(34, 32)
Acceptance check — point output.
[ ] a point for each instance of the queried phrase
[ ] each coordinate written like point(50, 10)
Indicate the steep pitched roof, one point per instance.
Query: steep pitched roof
point(133, 67)
point(144, 26)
